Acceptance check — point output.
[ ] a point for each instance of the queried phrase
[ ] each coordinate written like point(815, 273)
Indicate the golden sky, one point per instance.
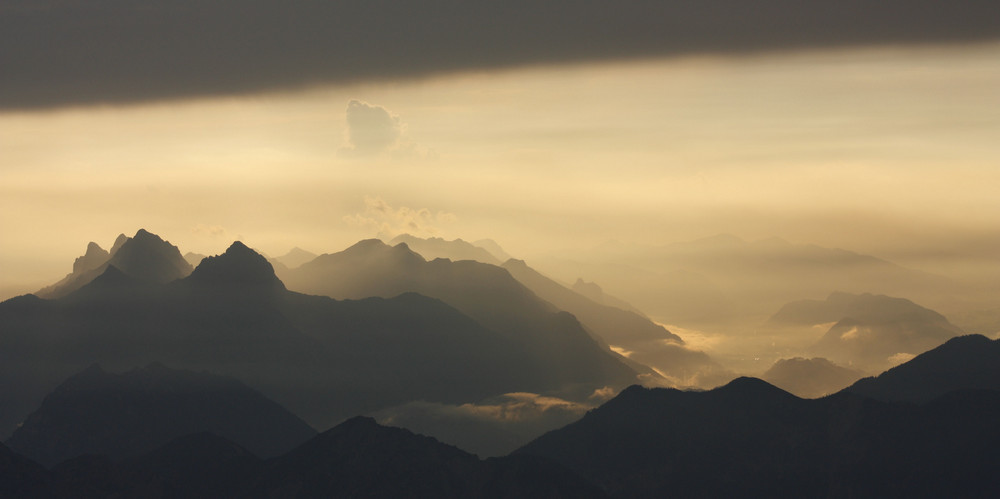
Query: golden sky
point(880, 150)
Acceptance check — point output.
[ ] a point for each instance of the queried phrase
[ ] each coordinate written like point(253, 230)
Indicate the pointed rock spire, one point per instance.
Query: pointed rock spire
point(238, 266)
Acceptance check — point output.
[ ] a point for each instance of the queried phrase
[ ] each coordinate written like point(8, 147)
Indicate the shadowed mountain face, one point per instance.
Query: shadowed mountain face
point(119, 415)
point(643, 341)
point(568, 358)
point(649, 344)
point(963, 363)
point(872, 332)
point(810, 378)
point(144, 257)
point(323, 359)
point(750, 439)
point(19, 476)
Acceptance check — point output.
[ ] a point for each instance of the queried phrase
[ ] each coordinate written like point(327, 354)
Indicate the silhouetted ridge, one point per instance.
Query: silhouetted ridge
point(239, 267)
point(93, 258)
point(111, 278)
point(750, 439)
point(122, 415)
point(360, 458)
point(147, 257)
point(119, 242)
point(962, 363)
point(755, 389)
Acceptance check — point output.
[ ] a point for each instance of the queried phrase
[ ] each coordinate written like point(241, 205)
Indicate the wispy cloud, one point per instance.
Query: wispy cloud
point(390, 221)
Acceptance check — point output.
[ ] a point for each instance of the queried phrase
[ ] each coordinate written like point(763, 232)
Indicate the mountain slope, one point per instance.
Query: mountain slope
point(868, 330)
point(360, 458)
point(645, 342)
point(962, 363)
point(19, 476)
point(323, 359)
point(750, 439)
point(118, 415)
point(357, 458)
point(144, 256)
point(724, 279)
point(566, 356)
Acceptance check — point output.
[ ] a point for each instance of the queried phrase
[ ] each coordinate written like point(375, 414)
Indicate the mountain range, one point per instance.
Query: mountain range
point(573, 358)
point(144, 257)
point(644, 343)
point(866, 331)
point(396, 332)
point(324, 359)
point(725, 281)
point(932, 434)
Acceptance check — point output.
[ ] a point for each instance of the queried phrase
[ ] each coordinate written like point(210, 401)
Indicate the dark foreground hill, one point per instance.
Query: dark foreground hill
point(965, 362)
point(750, 439)
point(323, 359)
point(128, 414)
point(357, 458)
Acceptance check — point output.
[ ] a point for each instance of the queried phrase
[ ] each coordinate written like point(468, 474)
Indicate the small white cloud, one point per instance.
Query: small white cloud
point(373, 130)
point(899, 358)
point(389, 221)
point(850, 334)
point(604, 394)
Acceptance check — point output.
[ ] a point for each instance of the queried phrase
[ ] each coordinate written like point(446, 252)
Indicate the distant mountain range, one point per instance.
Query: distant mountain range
point(455, 250)
point(870, 332)
point(144, 257)
point(486, 293)
point(323, 359)
point(724, 280)
point(926, 428)
point(644, 342)
point(810, 378)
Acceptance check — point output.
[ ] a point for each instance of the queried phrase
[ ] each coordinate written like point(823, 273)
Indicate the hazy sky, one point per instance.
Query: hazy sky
point(889, 149)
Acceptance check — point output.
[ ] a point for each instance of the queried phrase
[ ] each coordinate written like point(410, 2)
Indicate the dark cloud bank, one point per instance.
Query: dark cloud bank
point(78, 52)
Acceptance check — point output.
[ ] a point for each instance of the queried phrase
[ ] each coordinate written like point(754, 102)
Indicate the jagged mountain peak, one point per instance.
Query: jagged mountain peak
point(514, 262)
point(119, 241)
point(239, 266)
point(94, 257)
point(148, 257)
